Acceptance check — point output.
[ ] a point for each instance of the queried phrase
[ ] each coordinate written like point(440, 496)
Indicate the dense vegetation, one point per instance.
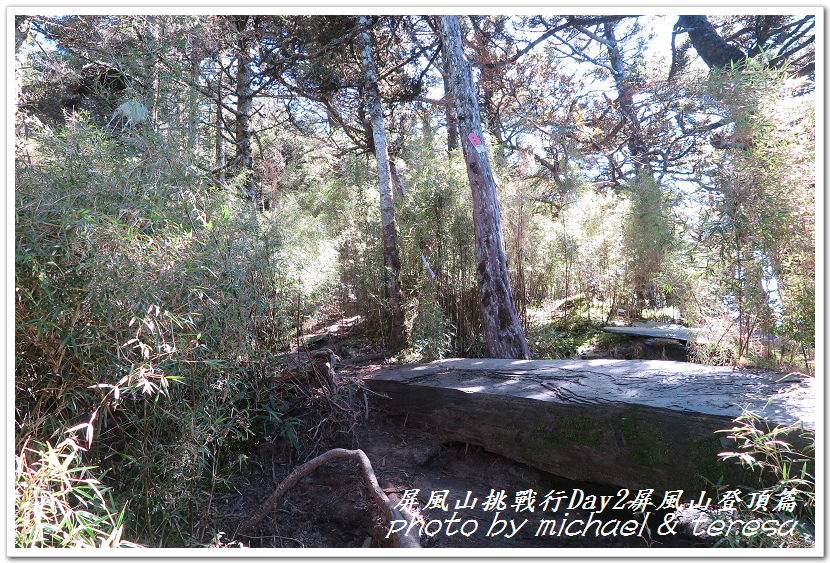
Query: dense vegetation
point(193, 194)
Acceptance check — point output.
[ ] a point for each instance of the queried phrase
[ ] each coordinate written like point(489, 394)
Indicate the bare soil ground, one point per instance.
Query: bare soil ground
point(331, 508)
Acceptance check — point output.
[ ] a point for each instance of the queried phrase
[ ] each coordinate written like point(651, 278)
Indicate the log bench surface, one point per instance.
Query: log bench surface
point(658, 330)
point(682, 334)
point(631, 423)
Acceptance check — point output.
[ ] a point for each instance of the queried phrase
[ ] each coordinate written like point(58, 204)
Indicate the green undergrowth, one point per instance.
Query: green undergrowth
point(150, 309)
point(780, 464)
point(556, 339)
point(58, 503)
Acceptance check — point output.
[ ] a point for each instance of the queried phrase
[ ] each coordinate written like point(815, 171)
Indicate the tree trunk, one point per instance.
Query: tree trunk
point(646, 196)
point(452, 122)
point(387, 211)
point(194, 109)
point(244, 104)
point(502, 328)
point(400, 189)
point(712, 48)
point(220, 132)
point(154, 33)
point(449, 106)
point(22, 25)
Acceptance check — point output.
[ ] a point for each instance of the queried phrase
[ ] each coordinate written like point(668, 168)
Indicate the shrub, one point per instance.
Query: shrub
point(781, 461)
point(149, 308)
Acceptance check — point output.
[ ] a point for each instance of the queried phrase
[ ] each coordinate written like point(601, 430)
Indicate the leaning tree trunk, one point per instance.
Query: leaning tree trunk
point(502, 328)
point(391, 259)
point(715, 51)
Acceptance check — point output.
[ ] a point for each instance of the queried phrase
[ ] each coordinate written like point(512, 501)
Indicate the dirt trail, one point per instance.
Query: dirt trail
point(331, 507)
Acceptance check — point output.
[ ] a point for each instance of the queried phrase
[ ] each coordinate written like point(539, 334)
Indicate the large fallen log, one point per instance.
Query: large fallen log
point(638, 424)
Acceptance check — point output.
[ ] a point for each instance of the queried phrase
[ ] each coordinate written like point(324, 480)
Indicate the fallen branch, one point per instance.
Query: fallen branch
point(383, 501)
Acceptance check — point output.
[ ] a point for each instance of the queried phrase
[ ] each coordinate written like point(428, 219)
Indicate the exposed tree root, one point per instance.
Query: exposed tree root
point(383, 501)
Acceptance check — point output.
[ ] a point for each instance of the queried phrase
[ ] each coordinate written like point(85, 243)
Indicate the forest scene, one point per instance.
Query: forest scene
point(229, 229)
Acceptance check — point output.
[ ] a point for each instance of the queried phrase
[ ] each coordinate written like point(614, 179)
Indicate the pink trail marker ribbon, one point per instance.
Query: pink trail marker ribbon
point(476, 143)
point(424, 258)
point(424, 254)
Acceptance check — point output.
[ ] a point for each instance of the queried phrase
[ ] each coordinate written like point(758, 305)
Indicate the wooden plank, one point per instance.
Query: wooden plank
point(654, 330)
point(635, 424)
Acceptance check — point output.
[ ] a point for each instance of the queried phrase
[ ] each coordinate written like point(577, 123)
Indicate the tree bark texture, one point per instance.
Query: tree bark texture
point(449, 107)
point(22, 25)
point(391, 260)
point(244, 105)
point(400, 190)
point(219, 132)
point(502, 328)
point(712, 48)
point(194, 110)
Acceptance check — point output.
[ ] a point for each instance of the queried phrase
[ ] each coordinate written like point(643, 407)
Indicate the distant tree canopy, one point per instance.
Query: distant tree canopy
point(582, 97)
